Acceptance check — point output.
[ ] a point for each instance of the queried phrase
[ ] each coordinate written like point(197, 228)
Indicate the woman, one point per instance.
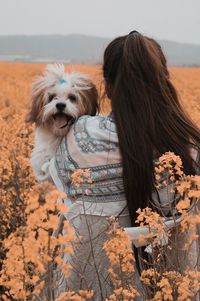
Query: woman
point(146, 121)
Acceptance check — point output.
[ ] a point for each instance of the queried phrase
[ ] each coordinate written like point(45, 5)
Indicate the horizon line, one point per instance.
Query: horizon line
point(87, 35)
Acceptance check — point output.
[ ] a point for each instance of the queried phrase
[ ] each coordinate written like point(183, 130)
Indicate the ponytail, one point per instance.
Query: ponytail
point(147, 113)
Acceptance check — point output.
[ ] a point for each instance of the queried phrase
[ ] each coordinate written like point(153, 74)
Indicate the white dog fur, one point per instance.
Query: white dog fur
point(58, 99)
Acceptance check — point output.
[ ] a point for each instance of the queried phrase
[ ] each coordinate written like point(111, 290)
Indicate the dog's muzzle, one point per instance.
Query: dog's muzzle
point(61, 119)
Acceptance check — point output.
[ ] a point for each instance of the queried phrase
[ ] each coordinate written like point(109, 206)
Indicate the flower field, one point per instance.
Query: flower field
point(16, 78)
point(28, 210)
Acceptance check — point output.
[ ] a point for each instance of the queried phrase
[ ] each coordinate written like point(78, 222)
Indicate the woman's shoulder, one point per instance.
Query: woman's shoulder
point(94, 128)
point(91, 139)
point(88, 120)
point(100, 121)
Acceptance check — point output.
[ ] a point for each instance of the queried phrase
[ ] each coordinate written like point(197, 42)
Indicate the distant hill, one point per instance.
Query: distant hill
point(81, 49)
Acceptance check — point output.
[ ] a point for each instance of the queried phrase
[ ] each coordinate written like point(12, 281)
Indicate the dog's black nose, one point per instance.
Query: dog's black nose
point(60, 106)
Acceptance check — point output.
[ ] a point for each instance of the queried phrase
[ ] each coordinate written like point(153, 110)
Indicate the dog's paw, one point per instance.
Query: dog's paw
point(45, 167)
point(43, 177)
point(43, 174)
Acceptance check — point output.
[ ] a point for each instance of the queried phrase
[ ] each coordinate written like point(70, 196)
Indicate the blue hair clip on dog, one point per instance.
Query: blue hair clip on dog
point(63, 81)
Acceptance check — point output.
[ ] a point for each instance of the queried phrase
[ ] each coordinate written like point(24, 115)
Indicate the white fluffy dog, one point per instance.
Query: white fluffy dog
point(58, 99)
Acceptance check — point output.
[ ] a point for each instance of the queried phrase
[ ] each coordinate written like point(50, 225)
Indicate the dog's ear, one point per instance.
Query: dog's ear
point(88, 92)
point(90, 98)
point(37, 101)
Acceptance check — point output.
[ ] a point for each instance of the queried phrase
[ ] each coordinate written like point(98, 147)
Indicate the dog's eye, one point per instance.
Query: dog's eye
point(51, 97)
point(72, 98)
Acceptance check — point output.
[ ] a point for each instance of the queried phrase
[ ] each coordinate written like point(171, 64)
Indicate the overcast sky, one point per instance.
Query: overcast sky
point(177, 20)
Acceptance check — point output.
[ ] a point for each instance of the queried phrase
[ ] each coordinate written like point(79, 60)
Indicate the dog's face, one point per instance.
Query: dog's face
point(59, 98)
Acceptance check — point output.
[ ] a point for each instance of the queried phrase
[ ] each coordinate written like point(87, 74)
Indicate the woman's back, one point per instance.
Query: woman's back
point(92, 146)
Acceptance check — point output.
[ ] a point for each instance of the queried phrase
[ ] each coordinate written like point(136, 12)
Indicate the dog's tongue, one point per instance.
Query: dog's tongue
point(60, 120)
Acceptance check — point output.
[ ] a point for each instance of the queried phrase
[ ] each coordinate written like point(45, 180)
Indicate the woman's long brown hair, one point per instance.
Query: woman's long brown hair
point(147, 113)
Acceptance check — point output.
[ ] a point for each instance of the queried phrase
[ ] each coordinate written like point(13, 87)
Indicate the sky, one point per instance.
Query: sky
point(176, 20)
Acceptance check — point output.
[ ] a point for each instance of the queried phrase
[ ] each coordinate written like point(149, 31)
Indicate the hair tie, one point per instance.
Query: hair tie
point(133, 31)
